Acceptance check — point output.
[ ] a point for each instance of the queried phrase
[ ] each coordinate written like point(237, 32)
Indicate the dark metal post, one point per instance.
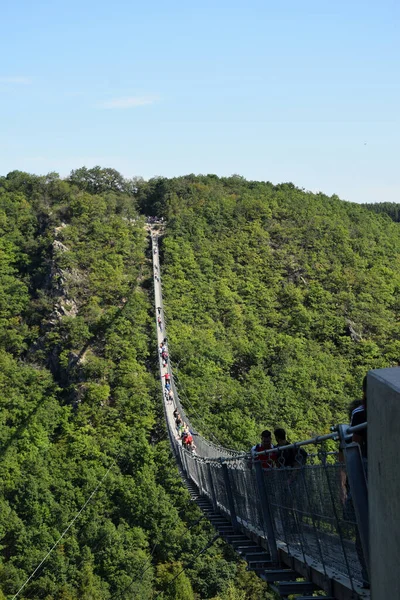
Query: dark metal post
point(266, 513)
point(231, 501)
point(203, 479)
point(183, 462)
point(197, 469)
point(212, 488)
point(358, 488)
point(199, 476)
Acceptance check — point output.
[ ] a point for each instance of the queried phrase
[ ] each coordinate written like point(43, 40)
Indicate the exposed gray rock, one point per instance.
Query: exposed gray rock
point(59, 246)
point(350, 330)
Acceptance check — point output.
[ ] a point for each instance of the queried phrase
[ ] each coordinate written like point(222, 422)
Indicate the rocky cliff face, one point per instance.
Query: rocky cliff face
point(59, 288)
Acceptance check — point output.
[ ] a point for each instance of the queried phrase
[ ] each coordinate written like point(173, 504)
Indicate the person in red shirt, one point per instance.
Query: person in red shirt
point(267, 460)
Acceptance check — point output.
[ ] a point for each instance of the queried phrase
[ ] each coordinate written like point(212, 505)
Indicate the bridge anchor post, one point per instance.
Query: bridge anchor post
point(359, 490)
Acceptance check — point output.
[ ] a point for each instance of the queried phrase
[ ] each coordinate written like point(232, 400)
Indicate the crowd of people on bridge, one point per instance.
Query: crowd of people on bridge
point(277, 456)
point(183, 432)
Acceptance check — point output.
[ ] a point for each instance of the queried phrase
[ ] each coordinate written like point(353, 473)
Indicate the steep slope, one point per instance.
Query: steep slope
point(79, 397)
point(278, 301)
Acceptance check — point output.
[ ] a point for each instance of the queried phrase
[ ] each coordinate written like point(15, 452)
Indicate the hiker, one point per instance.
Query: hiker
point(290, 457)
point(267, 460)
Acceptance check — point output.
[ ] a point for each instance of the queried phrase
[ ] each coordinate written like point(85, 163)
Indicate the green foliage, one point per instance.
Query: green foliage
point(98, 180)
point(173, 582)
point(231, 593)
point(392, 209)
point(78, 395)
point(278, 302)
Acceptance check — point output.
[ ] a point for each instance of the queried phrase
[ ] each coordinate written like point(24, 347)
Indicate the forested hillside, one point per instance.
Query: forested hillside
point(80, 404)
point(392, 209)
point(278, 302)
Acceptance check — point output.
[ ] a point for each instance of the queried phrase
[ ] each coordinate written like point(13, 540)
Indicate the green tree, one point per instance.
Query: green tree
point(173, 582)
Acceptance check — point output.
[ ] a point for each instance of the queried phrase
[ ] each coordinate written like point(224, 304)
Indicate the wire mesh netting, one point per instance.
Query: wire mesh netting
point(246, 496)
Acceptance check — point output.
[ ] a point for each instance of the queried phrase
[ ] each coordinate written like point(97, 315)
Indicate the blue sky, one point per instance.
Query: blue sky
point(303, 91)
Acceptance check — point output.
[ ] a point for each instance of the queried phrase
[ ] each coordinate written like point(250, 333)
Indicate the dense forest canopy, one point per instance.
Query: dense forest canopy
point(392, 209)
point(80, 406)
point(277, 302)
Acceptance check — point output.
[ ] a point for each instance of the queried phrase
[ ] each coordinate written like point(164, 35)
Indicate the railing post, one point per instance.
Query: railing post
point(266, 513)
point(203, 481)
point(231, 501)
point(359, 489)
point(199, 476)
point(183, 462)
point(212, 488)
point(196, 468)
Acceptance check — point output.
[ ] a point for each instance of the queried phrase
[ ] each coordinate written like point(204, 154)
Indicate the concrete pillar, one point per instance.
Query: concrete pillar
point(383, 409)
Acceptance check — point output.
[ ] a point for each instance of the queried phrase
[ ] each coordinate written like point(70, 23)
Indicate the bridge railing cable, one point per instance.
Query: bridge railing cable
point(311, 507)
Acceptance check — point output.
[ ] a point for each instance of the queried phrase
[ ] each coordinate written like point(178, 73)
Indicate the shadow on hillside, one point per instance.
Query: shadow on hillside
point(20, 429)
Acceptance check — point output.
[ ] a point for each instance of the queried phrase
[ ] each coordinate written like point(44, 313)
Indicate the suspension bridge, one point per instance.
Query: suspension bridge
point(303, 530)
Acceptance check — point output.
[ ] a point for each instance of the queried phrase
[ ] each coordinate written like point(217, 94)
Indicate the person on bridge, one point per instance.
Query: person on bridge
point(159, 323)
point(167, 377)
point(267, 460)
point(187, 440)
point(290, 457)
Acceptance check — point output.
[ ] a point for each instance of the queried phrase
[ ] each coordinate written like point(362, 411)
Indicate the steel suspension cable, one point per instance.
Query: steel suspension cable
point(65, 531)
point(31, 576)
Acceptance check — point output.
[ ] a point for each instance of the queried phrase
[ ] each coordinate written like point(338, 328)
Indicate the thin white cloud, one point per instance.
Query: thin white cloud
point(128, 102)
point(16, 79)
